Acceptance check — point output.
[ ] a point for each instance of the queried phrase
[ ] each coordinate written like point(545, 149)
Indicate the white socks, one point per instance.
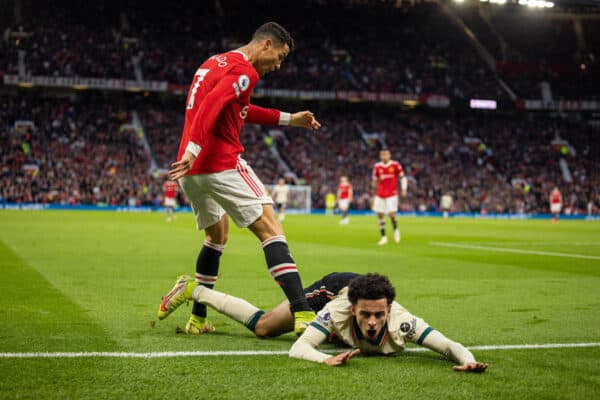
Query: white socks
point(234, 307)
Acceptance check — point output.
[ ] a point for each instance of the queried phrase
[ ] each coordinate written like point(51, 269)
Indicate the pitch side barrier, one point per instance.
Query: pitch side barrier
point(431, 214)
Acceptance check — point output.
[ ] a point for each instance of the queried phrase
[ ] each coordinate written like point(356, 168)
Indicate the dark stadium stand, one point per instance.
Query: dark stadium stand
point(82, 148)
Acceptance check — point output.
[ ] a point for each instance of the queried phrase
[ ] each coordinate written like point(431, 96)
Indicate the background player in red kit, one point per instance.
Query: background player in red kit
point(344, 198)
point(170, 202)
point(555, 203)
point(385, 187)
point(218, 182)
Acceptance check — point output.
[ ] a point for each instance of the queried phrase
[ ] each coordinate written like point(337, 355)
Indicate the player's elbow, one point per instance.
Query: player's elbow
point(295, 351)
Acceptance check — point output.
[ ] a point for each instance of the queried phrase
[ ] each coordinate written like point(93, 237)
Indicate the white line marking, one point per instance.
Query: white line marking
point(518, 251)
point(548, 243)
point(171, 354)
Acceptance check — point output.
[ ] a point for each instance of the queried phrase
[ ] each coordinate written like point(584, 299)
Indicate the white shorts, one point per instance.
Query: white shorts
point(343, 204)
point(385, 205)
point(555, 208)
point(237, 192)
point(170, 202)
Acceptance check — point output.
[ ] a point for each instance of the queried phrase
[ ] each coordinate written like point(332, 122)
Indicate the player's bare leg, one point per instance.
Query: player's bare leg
point(282, 266)
point(275, 322)
point(207, 269)
point(344, 220)
point(263, 324)
point(381, 219)
point(395, 226)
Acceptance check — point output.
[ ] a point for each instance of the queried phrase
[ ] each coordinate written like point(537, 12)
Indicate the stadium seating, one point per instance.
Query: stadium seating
point(491, 162)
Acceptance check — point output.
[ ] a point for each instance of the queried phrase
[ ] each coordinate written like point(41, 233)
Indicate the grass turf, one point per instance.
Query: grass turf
point(91, 281)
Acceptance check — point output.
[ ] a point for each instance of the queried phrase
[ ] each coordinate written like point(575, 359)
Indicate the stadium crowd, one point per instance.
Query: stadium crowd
point(88, 153)
point(85, 151)
point(421, 52)
point(58, 151)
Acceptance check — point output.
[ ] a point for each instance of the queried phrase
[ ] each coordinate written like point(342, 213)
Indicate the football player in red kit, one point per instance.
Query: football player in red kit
point(217, 182)
point(170, 201)
point(385, 188)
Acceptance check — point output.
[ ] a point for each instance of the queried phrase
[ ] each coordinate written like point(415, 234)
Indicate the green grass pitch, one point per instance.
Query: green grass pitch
point(92, 281)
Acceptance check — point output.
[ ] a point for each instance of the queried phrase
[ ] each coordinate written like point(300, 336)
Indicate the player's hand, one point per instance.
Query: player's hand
point(471, 367)
point(304, 119)
point(181, 167)
point(341, 358)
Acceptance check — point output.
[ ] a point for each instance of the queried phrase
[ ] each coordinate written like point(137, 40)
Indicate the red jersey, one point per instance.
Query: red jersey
point(170, 189)
point(344, 191)
point(387, 174)
point(555, 198)
point(218, 103)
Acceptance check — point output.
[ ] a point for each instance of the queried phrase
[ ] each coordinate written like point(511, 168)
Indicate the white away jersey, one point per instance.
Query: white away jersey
point(401, 327)
point(281, 192)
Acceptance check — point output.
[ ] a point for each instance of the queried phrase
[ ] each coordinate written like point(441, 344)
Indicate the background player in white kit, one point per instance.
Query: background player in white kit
point(384, 186)
point(281, 196)
point(344, 198)
point(446, 204)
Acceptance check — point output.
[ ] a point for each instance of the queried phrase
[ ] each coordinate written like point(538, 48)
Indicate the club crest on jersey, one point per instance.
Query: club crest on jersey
point(242, 84)
point(324, 318)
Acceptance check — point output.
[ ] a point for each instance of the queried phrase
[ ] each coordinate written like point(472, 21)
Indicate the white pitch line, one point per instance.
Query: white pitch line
point(171, 354)
point(518, 251)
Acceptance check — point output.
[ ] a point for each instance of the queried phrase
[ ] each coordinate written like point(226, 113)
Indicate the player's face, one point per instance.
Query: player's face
point(384, 156)
point(271, 57)
point(371, 316)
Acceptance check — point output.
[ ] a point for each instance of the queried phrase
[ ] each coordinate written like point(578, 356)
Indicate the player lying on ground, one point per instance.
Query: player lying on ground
point(357, 309)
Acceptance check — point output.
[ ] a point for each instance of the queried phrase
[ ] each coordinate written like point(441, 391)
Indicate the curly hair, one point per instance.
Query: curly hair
point(371, 287)
point(275, 31)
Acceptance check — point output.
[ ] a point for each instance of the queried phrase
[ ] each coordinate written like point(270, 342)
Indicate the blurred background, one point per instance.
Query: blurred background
point(495, 102)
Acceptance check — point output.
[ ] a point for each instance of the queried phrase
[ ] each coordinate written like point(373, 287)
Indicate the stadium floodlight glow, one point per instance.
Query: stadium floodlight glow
point(483, 104)
point(459, 1)
point(536, 3)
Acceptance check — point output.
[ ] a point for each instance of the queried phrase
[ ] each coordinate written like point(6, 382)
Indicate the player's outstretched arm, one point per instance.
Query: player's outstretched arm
point(304, 119)
point(305, 347)
point(454, 351)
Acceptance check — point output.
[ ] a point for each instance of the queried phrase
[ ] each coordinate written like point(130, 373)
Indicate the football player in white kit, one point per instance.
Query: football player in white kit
point(281, 195)
point(357, 309)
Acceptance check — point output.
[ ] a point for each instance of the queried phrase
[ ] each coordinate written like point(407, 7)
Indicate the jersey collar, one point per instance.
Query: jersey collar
point(242, 53)
point(379, 341)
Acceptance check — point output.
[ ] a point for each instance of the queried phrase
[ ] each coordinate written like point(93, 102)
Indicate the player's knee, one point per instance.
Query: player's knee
point(217, 239)
point(262, 330)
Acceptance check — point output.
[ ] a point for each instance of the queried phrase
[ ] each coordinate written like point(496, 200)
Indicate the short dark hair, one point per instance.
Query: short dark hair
point(371, 287)
point(275, 31)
